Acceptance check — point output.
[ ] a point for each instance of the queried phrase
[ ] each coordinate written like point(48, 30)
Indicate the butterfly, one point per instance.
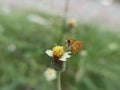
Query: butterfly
point(74, 45)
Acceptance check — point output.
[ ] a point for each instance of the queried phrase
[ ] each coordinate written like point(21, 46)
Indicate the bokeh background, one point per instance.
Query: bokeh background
point(29, 27)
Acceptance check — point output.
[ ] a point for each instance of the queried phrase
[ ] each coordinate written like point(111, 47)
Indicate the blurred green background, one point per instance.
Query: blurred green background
point(26, 35)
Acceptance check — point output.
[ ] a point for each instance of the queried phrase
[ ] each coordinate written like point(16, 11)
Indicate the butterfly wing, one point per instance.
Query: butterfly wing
point(75, 46)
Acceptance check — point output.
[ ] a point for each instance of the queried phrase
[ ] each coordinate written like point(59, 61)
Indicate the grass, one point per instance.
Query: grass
point(22, 68)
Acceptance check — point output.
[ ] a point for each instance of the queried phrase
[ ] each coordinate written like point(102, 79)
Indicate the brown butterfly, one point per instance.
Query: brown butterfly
point(74, 45)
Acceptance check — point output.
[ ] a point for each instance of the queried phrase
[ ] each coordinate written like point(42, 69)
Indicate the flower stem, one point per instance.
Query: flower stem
point(67, 2)
point(59, 81)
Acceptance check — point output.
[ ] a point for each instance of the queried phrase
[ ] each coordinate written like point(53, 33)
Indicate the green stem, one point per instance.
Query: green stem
point(67, 2)
point(64, 22)
point(59, 81)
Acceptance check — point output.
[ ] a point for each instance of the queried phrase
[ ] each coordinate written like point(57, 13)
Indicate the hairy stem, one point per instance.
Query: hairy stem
point(59, 80)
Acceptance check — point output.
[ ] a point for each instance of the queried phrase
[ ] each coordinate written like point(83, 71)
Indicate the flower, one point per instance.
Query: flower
point(83, 53)
point(59, 57)
point(72, 22)
point(34, 18)
point(58, 52)
point(113, 46)
point(50, 74)
point(11, 47)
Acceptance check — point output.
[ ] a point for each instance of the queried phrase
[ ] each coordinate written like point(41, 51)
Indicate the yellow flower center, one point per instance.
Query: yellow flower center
point(58, 51)
point(72, 22)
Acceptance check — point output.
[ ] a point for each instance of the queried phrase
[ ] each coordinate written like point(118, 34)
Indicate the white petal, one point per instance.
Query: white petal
point(62, 59)
point(49, 53)
point(65, 56)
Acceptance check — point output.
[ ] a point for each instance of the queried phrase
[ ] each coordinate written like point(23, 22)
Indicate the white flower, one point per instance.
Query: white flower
point(113, 46)
point(11, 47)
point(63, 58)
point(34, 18)
point(83, 53)
point(50, 74)
point(58, 52)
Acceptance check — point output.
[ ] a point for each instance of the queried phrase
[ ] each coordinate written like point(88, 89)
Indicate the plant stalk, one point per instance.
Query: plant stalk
point(59, 80)
point(67, 2)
